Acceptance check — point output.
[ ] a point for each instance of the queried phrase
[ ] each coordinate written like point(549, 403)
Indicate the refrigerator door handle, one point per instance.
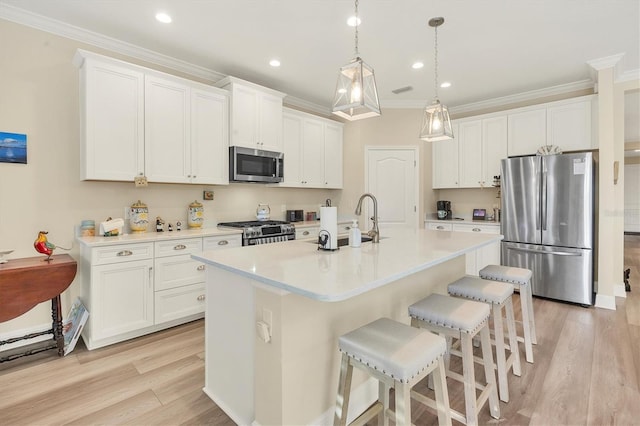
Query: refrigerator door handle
point(544, 197)
point(556, 253)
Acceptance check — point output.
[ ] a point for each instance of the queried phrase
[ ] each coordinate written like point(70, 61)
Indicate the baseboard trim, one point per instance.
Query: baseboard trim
point(227, 410)
point(24, 332)
point(619, 291)
point(605, 302)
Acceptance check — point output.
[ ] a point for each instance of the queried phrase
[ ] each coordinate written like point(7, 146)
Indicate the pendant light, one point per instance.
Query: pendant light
point(356, 94)
point(436, 124)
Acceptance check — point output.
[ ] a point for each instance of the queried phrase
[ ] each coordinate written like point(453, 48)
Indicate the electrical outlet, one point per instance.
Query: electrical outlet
point(207, 195)
point(267, 317)
point(140, 181)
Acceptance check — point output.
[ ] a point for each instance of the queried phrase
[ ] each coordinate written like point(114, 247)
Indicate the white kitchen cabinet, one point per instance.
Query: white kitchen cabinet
point(444, 156)
point(117, 291)
point(111, 119)
point(470, 154)
point(256, 115)
point(494, 148)
point(488, 255)
point(308, 232)
point(527, 131)
point(569, 126)
point(221, 242)
point(312, 151)
point(186, 132)
point(435, 226)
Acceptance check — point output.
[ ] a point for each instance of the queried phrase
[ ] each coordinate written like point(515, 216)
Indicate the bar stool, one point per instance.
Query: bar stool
point(398, 356)
point(498, 295)
point(462, 319)
point(520, 278)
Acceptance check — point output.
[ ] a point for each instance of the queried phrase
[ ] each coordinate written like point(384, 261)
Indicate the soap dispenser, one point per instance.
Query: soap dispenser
point(355, 238)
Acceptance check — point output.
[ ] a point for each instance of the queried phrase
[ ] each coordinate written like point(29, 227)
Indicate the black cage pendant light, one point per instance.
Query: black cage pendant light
point(436, 124)
point(356, 94)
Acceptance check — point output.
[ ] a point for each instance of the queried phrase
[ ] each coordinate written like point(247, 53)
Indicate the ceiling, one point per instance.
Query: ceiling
point(487, 49)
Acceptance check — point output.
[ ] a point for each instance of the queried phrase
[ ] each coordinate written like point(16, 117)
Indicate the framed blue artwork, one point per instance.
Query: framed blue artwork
point(13, 148)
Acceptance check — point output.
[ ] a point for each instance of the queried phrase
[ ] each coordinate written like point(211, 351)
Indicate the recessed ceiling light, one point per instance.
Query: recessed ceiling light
point(417, 65)
point(274, 63)
point(445, 85)
point(163, 17)
point(353, 21)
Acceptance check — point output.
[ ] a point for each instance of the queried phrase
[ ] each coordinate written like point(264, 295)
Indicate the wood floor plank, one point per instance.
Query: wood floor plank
point(180, 387)
point(568, 376)
point(122, 411)
point(189, 346)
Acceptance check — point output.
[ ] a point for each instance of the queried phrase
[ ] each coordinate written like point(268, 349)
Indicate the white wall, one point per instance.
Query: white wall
point(39, 97)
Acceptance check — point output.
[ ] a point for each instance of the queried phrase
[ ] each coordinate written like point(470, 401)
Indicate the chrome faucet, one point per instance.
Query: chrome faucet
point(374, 232)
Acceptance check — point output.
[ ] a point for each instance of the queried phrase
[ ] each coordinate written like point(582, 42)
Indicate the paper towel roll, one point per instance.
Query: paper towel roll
point(329, 224)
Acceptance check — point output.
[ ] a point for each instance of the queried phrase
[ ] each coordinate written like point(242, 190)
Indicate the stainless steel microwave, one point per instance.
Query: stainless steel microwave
point(255, 165)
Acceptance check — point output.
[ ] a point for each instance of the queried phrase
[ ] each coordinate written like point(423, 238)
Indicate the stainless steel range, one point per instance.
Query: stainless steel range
point(263, 231)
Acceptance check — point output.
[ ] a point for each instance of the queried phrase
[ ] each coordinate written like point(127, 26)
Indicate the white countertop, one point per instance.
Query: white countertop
point(463, 221)
point(298, 267)
point(144, 237)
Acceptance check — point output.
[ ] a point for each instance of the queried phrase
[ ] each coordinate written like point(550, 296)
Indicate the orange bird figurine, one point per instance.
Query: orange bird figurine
point(43, 246)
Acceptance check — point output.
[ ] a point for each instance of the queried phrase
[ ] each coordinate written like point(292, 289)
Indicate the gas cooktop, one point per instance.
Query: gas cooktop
point(252, 223)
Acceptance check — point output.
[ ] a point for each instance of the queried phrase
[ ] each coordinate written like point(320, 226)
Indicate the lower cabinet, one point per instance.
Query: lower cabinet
point(133, 289)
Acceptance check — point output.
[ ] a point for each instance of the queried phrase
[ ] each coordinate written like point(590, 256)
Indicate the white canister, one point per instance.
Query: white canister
point(355, 237)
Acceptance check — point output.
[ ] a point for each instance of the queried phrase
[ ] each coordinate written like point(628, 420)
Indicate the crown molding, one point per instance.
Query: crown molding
point(606, 62)
point(630, 75)
point(501, 101)
point(39, 22)
point(303, 105)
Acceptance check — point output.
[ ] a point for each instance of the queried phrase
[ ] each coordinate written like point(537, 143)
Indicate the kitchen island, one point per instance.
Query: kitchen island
point(274, 314)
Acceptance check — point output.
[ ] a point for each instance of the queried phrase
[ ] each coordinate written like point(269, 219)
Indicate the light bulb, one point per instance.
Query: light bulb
point(356, 91)
point(436, 122)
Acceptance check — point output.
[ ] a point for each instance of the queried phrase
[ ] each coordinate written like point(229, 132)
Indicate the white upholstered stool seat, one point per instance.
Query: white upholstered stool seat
point(498, 295)
point(521, 279)
point(462, 319)
point(399, 356)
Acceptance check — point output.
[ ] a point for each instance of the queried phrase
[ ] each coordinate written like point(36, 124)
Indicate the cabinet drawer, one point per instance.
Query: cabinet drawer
point(221, 242)
point(472, 227)
point(439, 226)
point(306, 233)
point(181, 246)
point(177, 271)
point(177, 303)
point(121, 253)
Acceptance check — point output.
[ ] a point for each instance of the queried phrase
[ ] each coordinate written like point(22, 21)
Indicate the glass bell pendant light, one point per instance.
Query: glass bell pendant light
point(356, 94)
point(436, 124)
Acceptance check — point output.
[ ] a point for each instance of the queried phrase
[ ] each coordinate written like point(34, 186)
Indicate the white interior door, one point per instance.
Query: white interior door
point(391, 176)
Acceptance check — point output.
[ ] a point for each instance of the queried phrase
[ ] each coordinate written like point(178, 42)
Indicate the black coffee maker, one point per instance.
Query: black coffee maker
point(444, 209)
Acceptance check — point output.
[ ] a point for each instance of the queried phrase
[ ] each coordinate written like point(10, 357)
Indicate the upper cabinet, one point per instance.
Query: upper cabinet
point(312, 151)
point(256, 115)
point(112, 120)
point(472, 159)
point(140, 122)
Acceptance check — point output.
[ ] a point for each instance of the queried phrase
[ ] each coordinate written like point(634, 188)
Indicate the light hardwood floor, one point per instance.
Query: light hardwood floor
point(586, 372)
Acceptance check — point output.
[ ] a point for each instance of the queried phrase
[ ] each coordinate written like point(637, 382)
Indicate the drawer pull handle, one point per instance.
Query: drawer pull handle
point(476, 229)
point(305, 233)
point(124, 253)
point(223, 242)
point(179, 247)
point(200, 268)
point(201, 297)
point(439, 227)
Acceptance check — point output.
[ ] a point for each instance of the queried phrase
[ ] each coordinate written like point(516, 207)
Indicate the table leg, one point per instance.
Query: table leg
point(56, 315)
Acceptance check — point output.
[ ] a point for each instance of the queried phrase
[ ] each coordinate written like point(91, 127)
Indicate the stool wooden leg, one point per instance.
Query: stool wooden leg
point(442, 393)
point(503, 385)
point(403, 404)
point(469, 380)
point(383, 397)
point(513, 338)
point(526, 324)
point(344, 392)
point(532, 321)
point(489, 372)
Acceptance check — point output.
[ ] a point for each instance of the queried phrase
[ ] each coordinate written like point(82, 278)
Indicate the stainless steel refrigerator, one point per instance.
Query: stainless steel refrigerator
point(548, 223)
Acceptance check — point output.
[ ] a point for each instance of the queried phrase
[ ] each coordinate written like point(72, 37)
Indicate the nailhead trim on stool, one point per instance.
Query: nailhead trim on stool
point(498, 295)
point(462, 319)
point(399, 356)
point(521, 278)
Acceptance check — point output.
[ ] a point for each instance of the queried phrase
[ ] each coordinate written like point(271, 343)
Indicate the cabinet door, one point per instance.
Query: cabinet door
point(494, 147)
point(527, 132)
point(470, 154)
point(313, 153)
point(292, 148)
point(444, 162)
point(270, 127)
point(123, 298)
point(569, 126)
point(209, 137)
point(244, 117)
point(178, 303)
point(112, 109)
point(333, 156)
point(167, 146)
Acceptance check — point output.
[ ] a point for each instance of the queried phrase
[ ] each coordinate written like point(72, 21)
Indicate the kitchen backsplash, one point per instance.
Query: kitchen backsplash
point(463, 201)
